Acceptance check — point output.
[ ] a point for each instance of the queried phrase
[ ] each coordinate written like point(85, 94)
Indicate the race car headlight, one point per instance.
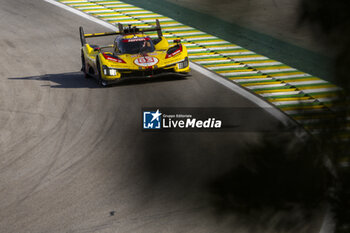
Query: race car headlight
point(112, 72)
point(183, 64)
point(109, 71)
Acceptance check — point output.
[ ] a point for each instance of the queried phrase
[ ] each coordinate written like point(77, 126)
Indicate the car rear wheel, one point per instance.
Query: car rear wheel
point(83, 66)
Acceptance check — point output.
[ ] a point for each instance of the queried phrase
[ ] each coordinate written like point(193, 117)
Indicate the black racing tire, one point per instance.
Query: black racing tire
point(100, 81)
point(83, 66)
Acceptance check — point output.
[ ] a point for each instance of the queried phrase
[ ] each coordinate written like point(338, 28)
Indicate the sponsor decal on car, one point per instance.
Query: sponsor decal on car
point(146, 61)
point(136, 39)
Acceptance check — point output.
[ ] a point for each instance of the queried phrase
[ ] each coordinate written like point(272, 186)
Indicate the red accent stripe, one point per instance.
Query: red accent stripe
point(179, 50)
point(115, 59)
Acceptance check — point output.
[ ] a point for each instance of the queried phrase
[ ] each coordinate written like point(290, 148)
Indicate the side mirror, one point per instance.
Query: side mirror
point(97, 49)
point(178, 41)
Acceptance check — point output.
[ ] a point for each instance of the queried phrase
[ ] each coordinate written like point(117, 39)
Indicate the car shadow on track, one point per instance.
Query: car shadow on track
point(77, 80)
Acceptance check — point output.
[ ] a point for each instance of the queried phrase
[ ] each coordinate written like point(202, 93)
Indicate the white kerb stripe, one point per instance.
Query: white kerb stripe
point(280, 93)
point(266, 86)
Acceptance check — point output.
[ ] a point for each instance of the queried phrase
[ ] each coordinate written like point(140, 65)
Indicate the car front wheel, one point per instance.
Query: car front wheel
point(101, 82)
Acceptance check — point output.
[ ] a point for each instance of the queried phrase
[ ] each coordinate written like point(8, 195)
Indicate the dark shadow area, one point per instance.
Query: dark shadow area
point(63, 80)
point(277, 178)
point(77, 80)
point(142, 80)
point(330, 23)
point(277, 183)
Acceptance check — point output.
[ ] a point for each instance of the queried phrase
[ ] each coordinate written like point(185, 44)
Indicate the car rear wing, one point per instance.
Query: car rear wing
point(122, 31)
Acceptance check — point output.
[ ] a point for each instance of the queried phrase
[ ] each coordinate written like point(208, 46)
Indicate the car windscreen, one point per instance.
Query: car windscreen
point(136, 45)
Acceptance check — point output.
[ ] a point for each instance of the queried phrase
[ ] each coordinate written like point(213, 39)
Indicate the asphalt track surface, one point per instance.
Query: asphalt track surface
point(73, 156)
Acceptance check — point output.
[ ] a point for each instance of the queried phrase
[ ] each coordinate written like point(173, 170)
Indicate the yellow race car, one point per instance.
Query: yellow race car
point(132, 54)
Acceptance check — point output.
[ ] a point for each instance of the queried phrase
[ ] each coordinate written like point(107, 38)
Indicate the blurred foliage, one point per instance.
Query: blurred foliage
point(280, 174)
point(331, 22)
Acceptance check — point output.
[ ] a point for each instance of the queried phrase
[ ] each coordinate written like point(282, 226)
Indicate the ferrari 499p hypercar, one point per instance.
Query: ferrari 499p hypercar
point(132, 54)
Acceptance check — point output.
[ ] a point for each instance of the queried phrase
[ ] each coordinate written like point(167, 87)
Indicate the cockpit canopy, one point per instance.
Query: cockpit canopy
point(133, 45)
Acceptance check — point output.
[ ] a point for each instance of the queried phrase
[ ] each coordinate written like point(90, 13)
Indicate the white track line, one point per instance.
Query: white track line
point(265, 64)
point(225, 67)
point(250, 80)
